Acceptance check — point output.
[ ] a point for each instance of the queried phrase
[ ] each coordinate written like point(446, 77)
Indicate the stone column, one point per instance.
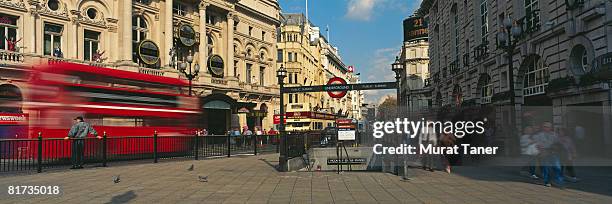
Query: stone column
point(125, 38)
point(203, 53)
point(168, 33)
point(229, 60)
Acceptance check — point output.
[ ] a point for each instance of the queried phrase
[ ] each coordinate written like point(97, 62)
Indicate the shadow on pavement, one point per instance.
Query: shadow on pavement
point(123, 198)
point(592, 179)
point(274, 166)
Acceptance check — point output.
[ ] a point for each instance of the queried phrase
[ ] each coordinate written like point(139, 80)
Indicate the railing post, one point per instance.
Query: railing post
point(104, 145)
point(197, 146)
point(255, 144)
point(155, 146)
point(228, 145)
point(40, 149)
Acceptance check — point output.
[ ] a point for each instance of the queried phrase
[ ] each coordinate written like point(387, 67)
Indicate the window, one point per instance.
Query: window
point(52, 38)
point(248, 73)
point(484, 20)
point(263, 35)
point(236, 25)
point(143, 1)
point(290, 98)
point(536, 78)
point(211, 45)
point(262, 70)
point(179, 9)
point(235, 68)
point(250, 30)
point(279, 57)
point(139, 33)
point(91, 43)
point(92, 13)
point(579, 60)
point(532, 17)
point(212, 19)
point(504, 79)
point(290, 57)
point(469, 91)
point(8, 33)
point(53, 5)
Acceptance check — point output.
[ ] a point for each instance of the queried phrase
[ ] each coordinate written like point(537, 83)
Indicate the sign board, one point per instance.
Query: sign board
point(340, 87)
point(277, 119)
point(344, 135)
point(415, 28)
point(344, 161)
point(13, 118)
point(148, 52)
point(187, 35)
point(338, 81)
point(215, 65)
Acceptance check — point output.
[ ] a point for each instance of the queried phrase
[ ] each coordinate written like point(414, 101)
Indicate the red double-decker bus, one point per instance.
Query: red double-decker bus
point(120, 103)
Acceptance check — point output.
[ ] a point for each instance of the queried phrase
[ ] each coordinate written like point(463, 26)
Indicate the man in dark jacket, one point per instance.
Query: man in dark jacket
point(78, 133)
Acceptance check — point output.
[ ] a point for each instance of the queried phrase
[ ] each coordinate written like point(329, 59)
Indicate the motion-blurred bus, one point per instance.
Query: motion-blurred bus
point(120, 103)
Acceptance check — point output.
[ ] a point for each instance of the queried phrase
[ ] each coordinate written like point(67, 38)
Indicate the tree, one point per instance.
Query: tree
point(388, 108)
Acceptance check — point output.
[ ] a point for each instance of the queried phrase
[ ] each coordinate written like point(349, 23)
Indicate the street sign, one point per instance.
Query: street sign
point(215, 65)
point(338, 81)
point(148, 52)
point(340, 87)
point(346, 129)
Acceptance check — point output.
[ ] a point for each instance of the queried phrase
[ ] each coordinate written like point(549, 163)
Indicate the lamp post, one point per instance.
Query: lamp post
point(190, 75)
point(507, 40)
point(398, 68)
point(281, 73)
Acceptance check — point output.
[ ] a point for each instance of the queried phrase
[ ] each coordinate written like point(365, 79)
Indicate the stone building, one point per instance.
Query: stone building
point(415, 91)
point(561, 65)
point(233, 42)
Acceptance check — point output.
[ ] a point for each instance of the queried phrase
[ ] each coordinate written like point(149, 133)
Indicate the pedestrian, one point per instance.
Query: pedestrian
point(449, 140)
point(568, 155)
point(248, 133)
point(529, 150)
point(428, 137)
point(549, 147)
point(204, 132)
point(78, 133)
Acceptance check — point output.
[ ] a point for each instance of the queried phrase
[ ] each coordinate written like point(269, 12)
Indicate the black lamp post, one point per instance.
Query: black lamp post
point(507, 40)
point(190, 75)
point(398, 68)
point(281, 73)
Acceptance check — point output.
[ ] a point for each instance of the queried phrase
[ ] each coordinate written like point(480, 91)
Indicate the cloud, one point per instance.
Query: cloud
point(365, 10)
point(379, 70)
point(360, 9)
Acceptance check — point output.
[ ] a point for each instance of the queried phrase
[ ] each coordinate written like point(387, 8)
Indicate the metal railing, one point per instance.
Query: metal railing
point(48, 153)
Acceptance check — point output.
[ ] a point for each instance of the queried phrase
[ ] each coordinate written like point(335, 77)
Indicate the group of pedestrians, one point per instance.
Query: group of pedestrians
point(430, 137)
point(245, 137)
point(553, 151)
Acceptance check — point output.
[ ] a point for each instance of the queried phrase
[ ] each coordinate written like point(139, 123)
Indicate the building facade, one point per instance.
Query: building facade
point(311, 60)
point(232, 41)
point(560, 64)
point(415, 90)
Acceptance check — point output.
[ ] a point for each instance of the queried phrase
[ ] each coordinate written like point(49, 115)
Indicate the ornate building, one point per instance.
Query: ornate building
point(232, 41)
point(415, 91)
point(560, 64)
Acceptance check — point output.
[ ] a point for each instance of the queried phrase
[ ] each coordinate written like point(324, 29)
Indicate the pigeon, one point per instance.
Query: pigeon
point(190, 168)
point(405, 179)
point(116, 179)
point(203, 178)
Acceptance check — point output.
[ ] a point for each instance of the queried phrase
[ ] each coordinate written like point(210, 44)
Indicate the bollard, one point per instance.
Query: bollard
point(104, 145)
point(155, 146)
point(197, 146)
point(228, 145)
point(40, 147)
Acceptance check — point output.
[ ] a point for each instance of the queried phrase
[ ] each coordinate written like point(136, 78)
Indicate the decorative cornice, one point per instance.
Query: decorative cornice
point(13, 4)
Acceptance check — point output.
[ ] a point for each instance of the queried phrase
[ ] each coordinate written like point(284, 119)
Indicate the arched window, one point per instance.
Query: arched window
point(579, 60)
point(139, 33)
point(536, 78)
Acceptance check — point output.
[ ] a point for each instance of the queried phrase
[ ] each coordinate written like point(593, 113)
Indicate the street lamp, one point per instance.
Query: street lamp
point(192, 74)
point(281, 73)
point(398, 68)
point(507, 40)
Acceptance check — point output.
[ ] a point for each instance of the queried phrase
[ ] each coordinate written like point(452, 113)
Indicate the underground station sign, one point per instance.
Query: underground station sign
point(335, 88)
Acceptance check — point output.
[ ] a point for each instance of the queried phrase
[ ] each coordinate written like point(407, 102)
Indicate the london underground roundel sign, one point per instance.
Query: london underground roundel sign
point(334, 81)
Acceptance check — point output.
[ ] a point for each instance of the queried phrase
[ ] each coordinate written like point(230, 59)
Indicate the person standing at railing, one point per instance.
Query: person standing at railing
point(78, 133)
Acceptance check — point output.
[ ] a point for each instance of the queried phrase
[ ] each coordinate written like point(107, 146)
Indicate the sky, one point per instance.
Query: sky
point(368, 33)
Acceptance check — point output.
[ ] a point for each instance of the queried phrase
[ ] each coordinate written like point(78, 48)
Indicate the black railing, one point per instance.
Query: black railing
point(48, 153)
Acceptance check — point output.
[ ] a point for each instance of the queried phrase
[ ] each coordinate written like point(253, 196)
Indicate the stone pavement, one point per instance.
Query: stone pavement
point(252, 179)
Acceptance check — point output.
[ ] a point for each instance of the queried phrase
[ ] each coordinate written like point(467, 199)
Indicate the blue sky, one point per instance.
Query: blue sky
point(368, 33)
